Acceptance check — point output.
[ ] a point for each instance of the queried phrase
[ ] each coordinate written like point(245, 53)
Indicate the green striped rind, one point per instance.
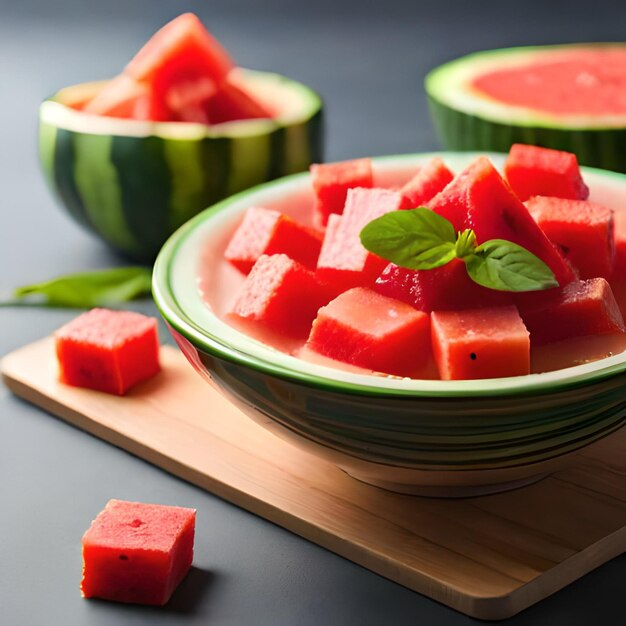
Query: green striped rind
point(462, 123)
point(134, 183)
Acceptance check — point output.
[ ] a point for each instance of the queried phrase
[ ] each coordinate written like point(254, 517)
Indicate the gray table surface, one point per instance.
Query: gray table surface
point(368, 60)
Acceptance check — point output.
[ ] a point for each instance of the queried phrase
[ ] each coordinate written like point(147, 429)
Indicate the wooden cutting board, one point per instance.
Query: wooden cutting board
point(489, 557)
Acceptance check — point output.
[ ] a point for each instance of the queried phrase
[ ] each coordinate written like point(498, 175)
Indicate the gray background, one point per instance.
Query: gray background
point(368, 60)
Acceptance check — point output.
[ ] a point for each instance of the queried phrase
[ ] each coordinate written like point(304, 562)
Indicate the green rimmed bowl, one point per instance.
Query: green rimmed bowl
point(428, 437)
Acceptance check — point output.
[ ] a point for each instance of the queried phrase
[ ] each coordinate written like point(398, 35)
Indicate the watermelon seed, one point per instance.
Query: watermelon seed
point(473, 356)
point(123, 557)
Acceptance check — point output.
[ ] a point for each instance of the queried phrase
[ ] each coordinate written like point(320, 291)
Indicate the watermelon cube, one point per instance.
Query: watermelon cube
point(581, 229)
point(480, 343)
point(331, 182)
point(137, 553)
point(343, 261)
point(428, 182)
point(480, 199)
point(363, 328)
point(585, 307)
point(263, 231)
point(108, 350)
point(535, 171)
point(444, 288)
point(281, 294)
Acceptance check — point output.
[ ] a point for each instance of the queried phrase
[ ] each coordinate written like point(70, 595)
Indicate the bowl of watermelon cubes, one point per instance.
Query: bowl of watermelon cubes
point(182, 127)
point(440, 324)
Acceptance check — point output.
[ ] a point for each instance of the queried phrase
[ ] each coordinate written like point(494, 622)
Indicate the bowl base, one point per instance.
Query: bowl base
point(448, 491)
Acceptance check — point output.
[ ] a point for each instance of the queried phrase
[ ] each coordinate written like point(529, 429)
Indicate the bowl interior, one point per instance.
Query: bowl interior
point(194, 306)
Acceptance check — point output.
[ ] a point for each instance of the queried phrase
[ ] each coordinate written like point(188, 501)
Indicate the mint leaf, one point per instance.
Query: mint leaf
point(87, 289)
point(505, 266)
point(418, 239)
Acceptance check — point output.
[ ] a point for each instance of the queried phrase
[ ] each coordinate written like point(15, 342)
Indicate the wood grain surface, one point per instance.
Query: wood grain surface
point(489, 557)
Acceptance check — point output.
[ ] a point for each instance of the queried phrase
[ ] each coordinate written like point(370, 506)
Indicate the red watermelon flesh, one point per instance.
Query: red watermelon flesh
point(582, 230)
point(443, 288)
point(429, 181)
point(126, 98)
point(138, 553)
point(331, 182)
point(181, 49)
point(233, 102)
point(108, 350)
point(535, 171)
point(281, 294)
point(367, 329)
point(343, 261)
point(585, 307)
point(619, 238)
point(187, 100)
point(480, 343)
point(264, 231)
point(480, 199)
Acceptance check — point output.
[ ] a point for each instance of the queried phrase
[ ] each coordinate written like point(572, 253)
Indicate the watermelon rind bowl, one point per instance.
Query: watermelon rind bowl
point(467, 120)
point(133, 183)
point(433, 437)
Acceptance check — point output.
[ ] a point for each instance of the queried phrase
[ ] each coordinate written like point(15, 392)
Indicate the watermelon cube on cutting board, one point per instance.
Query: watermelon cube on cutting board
point(445, 287)
point(536, 171)
point(331, 182)
point(582, 230)
point(367, 329)
point(479, 198)
point(137, 553)
point(426, 184)
point(281, 294)
point(480, 343)
point(264, 231)
point(108, 350)
point(585, 307)
point(343, 261)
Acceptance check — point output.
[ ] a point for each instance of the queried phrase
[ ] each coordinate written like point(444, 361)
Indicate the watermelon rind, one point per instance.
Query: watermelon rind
point(133, 183)
point(467, 120)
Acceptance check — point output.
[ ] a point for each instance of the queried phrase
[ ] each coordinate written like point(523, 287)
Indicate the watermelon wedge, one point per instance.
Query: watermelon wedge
point(479, 198)
point(565, 97)
point(183, 48)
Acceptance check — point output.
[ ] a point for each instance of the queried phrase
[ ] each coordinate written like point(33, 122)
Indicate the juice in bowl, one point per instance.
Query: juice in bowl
point(440, 428)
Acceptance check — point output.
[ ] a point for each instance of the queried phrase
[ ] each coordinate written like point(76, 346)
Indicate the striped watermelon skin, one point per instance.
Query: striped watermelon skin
point(604, 148)
point(134, 190)
point(463, 127)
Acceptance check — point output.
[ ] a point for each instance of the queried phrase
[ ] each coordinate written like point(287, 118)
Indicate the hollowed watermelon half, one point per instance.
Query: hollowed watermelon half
point(567, 97)
point(134, 182)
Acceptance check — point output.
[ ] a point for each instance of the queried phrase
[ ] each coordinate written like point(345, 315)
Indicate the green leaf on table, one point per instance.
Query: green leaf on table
point(418, 239)
point(87, 289)
point(505, 266)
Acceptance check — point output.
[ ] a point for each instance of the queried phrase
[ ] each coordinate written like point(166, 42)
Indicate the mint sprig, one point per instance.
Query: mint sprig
point(420, 239)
